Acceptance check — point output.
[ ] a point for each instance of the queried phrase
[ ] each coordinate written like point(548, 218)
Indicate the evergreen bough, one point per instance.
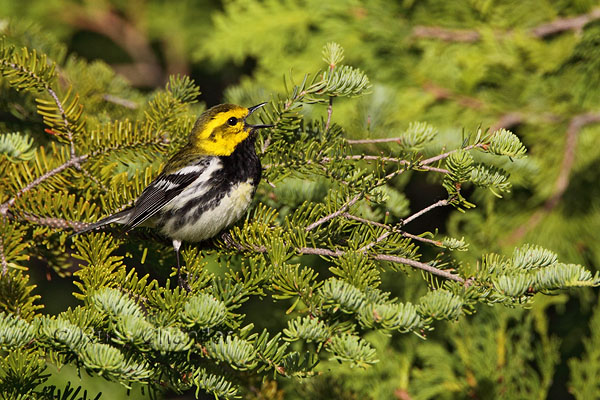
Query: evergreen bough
point(134, 329)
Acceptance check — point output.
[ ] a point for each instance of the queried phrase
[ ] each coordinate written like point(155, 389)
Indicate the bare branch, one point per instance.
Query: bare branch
point(402, 223)
point(416, 215)
point(320, 252)
point(366, 157)
point(565, 24)
point(422, 239)
point(388, 258)
point(376, 140)
point(366, 221)
point(419, 265)
point(390, 231)
point(573, 130)
point(448, 153)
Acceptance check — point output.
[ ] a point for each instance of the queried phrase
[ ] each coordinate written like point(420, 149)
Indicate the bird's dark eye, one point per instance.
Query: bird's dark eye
point(232, 121)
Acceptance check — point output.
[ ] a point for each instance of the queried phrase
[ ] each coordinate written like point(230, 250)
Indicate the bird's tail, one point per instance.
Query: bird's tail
point(121, 217)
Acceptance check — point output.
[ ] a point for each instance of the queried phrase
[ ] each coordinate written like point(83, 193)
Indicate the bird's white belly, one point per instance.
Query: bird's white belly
point(229, 210)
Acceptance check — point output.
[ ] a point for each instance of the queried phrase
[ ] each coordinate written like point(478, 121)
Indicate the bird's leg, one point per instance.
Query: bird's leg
point(181, 280)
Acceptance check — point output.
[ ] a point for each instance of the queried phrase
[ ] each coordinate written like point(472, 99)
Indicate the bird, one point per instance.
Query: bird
point(205, 187)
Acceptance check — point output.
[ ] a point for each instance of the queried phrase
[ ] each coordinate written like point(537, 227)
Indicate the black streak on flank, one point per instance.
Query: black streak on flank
point(243, 164)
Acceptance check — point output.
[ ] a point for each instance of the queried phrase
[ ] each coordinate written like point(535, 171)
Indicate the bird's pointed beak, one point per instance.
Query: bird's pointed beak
point(250, 111)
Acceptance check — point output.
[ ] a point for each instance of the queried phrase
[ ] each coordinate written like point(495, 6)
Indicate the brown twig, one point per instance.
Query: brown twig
point(56, 223)
point(431, 160)
point(328, 217)
point(422, 239)
point(562, 181)
point(470, 36)
point(416, 215)
point(385, 257)
point(390, 230)
point(565, 24)
point(405, 221)
point(421, 164)
point(376, 140)
point(418, 265)
point(329, 113)
point(388, 159)
point(365, 221)
point(3, 261)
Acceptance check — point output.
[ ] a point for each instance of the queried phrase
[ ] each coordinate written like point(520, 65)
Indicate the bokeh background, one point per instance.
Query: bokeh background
point(531, 66)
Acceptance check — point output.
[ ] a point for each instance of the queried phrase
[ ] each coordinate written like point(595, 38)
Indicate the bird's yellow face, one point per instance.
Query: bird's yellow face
point(221, 129)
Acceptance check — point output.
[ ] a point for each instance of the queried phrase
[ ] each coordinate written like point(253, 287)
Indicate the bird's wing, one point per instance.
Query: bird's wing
point(164, 189)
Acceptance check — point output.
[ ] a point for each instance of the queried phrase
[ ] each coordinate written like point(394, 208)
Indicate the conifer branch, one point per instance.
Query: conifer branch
point(46, 86)
point(31, 74)
point(66, 123)
point(366, 221)
point(91, 177)
point(431, 160)
point(376, 140)
point(337, 213)
point(422, 239)
point(404, 222)
point(367, 157)
point(418, 165)
point(323, 252)
point(416, 215)
point(419, 265)
point(385, 257)
point(404, 234)
point(70, 163)
point(55, 223)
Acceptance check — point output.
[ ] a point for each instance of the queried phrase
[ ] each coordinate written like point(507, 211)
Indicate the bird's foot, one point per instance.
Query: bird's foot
point(183, 282)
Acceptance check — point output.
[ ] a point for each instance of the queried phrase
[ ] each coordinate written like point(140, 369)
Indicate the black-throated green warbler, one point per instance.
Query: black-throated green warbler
point(204, 188)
